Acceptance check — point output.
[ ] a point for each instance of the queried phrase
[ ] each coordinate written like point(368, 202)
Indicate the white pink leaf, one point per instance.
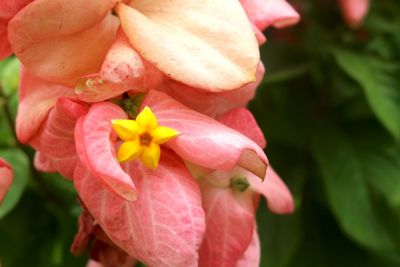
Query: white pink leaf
point(6, 178)
point(203, 140)
point(56, 140)
point(95, 141)
point(229, 226)
point(164, 226)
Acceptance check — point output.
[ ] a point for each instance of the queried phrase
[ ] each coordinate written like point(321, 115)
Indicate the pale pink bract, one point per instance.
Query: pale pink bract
point(6, 178)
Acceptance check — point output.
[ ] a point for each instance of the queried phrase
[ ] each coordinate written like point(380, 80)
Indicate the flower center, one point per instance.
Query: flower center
point(145, 139)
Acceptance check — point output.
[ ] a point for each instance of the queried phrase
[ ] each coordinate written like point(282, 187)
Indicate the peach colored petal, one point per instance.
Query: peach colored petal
point(264, 13)
point(95, 147)
point(6, 178)
point(123, 70)
point(36, 98)
point(204, 141)
point(8, 9)
point(69, 43)
point(164, 226)
point(354, 11)
point(209, 46)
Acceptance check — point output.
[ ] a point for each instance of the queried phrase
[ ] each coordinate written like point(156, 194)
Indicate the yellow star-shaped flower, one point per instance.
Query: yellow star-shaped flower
point(142, 138)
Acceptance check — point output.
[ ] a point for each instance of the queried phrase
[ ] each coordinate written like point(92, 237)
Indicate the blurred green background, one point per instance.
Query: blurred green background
point(330, 109)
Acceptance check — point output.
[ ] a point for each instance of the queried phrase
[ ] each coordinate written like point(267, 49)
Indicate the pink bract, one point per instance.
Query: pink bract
point(226, 213)
point(36, 98)
point(209, 103)
point(69, 43)
point(209, 46)
point(95, 147)
point(252, 256)
point(6, 178)
point(123, 70)
point(8, 9)
point(243, 121)
point(204, 141)
point(265, 13)
point(55, 140)
point(354, 11)
point(164, 226)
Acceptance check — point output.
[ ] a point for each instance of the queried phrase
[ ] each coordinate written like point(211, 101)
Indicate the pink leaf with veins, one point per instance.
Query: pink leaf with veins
point(8, 9)
point(56, 140)
point(95, 142)
point(230, 222)
point(164, 226)
point(205, 141)
point(208, 45)
point(264, 13)
point(6, 178)
point(36, 98)
point(62, 40)
point(252, 255)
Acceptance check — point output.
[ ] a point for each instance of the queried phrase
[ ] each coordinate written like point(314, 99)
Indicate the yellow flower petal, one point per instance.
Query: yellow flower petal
point(127, 130)
point(129, 150)
point(146, 119)
point(151, 156)
point(163, 134)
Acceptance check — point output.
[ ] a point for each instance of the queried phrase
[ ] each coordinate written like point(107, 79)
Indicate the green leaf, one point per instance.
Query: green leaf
point(38, 234)
point(280, 237)
point(378, 83)
point(6, 134)
point(384, 172)
point(10, 76)
point(20, 164)
point(345, 177)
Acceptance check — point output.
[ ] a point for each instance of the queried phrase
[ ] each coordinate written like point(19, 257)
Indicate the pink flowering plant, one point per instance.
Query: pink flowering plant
point(164, 181)
point(129, 139)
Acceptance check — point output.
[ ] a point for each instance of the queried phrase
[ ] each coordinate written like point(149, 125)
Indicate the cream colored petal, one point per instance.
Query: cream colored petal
point(205, 44)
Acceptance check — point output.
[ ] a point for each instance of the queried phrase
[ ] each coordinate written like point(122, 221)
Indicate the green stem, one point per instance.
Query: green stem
point(286, 74)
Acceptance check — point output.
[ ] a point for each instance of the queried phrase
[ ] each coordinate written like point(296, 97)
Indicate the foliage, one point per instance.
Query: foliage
point(330, 109)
